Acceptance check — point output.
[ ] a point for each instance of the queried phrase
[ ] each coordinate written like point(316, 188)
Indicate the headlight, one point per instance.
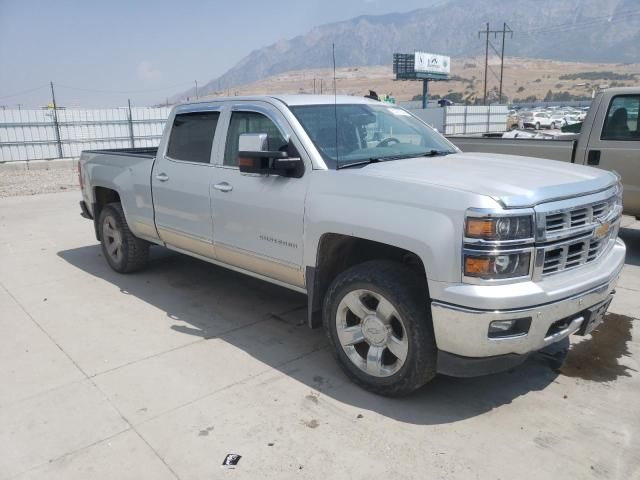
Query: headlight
point(514, 227)
point(496, 266)
point(619, 191)
point(497, 245)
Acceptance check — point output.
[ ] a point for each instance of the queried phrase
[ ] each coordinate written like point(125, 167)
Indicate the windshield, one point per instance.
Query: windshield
point(367, 133)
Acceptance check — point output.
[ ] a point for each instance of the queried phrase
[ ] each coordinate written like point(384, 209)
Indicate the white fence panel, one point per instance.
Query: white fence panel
point(31, 134)
point(464, 119)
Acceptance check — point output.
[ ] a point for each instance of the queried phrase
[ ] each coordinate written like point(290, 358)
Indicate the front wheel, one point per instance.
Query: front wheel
point(123, 250)
point(377, 318)
point(553, 125)
point(537, 125)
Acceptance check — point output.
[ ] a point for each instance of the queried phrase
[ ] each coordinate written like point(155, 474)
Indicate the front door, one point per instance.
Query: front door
point(181, 181)
point(614, 144)
point(258, 218)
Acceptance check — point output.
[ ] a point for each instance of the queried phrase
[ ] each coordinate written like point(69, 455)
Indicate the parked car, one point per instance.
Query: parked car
point(557, 120)
point(571, 119)
point(416, 258)
point(537, 120)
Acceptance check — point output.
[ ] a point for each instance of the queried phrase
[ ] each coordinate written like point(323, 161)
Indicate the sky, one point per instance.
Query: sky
point(101, 53)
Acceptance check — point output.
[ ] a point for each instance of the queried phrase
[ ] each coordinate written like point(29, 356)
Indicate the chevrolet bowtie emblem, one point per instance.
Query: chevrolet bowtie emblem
point(602, 230)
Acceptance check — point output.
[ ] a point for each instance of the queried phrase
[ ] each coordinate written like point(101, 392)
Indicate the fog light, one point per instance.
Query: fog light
point(501, 325)
point(509, 328)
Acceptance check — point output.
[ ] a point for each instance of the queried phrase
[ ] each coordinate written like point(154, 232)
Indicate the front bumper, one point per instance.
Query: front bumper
point(463, 331)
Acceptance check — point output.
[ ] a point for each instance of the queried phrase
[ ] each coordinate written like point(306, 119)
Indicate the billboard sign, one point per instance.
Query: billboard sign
point(432, 63)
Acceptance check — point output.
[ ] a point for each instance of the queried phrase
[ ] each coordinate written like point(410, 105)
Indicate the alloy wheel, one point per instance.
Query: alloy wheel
point(372, 333)
point(112, 238)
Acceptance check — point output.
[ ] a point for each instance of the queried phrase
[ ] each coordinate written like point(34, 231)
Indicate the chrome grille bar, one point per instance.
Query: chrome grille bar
point(570, 238)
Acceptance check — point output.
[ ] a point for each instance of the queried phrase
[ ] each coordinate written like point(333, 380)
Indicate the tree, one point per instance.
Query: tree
point(549, 96)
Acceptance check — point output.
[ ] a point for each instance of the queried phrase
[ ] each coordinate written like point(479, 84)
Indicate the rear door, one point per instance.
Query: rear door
point(614, 144)
point(181, 180)
point(259, 218)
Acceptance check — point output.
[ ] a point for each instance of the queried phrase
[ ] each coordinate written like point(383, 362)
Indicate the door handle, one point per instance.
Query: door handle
point(223, 187)
point(593, 158)
point(163, 177)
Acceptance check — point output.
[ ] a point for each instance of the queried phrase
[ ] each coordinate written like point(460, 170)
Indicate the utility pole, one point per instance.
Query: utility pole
point(487, 32)
point(314, 85)
point(196, 88)
point(504, 32)
point(486, 64)
point(55, 121)
point(131, 137)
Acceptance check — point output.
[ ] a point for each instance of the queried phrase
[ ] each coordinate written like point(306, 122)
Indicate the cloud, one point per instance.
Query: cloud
point(146, 71)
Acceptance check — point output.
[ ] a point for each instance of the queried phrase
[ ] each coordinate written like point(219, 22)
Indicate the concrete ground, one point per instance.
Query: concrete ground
point(161, 374)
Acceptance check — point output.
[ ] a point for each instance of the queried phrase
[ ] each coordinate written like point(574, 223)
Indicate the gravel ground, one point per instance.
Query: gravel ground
point(35, 181)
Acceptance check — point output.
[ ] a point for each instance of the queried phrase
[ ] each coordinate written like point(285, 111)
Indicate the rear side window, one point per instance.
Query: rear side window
point(622, 119)
point(250, 122)
point(192, 136)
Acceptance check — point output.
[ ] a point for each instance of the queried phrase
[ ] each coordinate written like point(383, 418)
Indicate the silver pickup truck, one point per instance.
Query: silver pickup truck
point(609, 139)
point(416, 258)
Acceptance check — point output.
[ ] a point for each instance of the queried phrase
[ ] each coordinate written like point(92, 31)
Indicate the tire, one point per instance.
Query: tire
point(394, 323)
point(553, 126)
point(537, 126)
point(124, 252)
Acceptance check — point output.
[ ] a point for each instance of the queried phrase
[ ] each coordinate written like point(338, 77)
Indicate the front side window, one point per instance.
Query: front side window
point(250, 122)
point(192, 136)
point(622, 119)
point(353, 133)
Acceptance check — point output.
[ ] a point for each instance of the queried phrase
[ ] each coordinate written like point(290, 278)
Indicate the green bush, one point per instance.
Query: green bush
point(606, 75)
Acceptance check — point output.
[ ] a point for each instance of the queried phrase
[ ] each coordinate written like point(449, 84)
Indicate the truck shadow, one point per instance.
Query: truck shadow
point(207, 301)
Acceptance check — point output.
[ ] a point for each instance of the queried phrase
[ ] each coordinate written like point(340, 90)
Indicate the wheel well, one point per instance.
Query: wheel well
point(337, 253)
point(103, 196)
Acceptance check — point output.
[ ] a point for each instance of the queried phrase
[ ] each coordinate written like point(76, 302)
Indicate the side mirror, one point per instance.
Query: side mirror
point(254, 157)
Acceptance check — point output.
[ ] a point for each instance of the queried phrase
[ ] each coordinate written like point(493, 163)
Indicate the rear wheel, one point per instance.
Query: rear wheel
point(124, 251)
point(378, 321)
point(537, 125)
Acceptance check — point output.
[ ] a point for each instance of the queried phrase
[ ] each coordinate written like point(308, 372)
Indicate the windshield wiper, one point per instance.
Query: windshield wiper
point(434, 153)
point(358, 163)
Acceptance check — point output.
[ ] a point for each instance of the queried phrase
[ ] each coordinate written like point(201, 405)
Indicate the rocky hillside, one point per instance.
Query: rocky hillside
point(572, 30)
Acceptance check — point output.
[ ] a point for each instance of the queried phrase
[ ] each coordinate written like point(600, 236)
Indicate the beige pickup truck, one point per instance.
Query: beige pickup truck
point(609, 139)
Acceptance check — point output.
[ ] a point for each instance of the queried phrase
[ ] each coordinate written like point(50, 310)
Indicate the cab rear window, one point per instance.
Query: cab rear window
point(192, 136)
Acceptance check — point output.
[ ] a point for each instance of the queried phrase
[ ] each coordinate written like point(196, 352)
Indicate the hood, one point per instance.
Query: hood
point(512, 180)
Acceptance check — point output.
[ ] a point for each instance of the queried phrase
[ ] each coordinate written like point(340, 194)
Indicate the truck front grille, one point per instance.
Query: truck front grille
point(573, 237)
point(559, 223)
point(573, 254)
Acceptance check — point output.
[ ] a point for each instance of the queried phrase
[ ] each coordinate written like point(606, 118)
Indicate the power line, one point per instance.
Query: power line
point(17, 94)
point(124, 92)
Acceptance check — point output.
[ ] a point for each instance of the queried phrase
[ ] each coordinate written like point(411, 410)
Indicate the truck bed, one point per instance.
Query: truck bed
point(553, 149)
point(145, 152)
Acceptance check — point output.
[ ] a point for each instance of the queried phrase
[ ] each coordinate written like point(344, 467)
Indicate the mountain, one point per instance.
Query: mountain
point(606, 31)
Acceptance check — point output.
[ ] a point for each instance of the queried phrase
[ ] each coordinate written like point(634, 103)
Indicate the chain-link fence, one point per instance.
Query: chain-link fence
point(46, 134)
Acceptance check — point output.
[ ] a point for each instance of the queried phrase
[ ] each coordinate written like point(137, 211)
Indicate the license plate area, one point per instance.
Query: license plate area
point(594, 317)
